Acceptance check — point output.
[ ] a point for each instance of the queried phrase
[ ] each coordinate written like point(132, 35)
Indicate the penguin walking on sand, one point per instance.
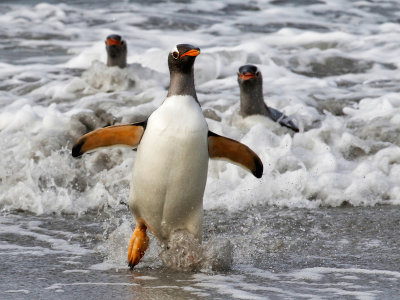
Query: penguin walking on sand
point(173, 149)
point(116, 51)
point(252, 99)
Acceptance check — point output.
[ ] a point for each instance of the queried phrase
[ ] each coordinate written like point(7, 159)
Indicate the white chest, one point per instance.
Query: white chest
point(176, 128)
point(178, 116)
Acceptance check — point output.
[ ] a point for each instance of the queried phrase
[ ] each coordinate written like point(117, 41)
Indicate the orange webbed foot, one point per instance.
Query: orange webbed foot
point(137, 245)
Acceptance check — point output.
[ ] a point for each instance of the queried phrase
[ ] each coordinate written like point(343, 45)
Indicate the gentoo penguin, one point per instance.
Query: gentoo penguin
point(173, 149)
point(116, 51)
point(252, 99)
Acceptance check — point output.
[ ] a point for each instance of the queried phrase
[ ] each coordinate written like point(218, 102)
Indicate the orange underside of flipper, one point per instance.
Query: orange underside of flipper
point(220, 147)
point(137, 245)
point(128, 135)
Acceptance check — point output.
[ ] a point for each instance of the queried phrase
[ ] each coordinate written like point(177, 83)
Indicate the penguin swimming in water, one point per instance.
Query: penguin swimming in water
point(252, 99)
point(173, 149)
point(116, 51)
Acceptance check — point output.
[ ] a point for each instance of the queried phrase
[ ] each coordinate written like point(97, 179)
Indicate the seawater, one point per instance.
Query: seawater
point(321, 223)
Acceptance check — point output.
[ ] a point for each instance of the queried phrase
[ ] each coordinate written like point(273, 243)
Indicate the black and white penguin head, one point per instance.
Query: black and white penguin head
point(115, 45)
point(182, 58)
point(251, 91)
point(249, 74)
point(116, 51)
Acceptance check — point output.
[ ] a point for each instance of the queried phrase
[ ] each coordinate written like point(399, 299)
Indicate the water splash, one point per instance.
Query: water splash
point(185, 253)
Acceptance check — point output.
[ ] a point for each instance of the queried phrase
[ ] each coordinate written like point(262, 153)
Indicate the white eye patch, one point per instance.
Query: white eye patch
point(175, 49)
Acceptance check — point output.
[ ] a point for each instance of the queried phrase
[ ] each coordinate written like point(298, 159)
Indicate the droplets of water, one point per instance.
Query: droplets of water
point(185, 253)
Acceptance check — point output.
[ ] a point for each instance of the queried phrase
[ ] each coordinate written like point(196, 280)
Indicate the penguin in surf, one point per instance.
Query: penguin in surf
point(173, 149)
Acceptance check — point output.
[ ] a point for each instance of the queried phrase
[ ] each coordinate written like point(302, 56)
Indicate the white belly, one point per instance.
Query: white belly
point(170, 170)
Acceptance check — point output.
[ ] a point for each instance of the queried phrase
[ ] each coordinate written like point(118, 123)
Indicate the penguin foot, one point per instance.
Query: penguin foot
point(137, 245)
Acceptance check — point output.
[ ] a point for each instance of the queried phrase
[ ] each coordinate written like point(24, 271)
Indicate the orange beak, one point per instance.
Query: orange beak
point(111, 41)
point(247, 76)
point(193, 52)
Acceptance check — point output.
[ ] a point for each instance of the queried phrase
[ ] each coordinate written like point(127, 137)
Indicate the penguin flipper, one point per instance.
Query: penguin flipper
point(282, 119)
point(220, 147)
point(128, 135)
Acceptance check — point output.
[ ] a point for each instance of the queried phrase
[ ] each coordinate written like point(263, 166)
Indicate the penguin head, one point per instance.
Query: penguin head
point(249, 74)
point(182, 57)
point(116, 49)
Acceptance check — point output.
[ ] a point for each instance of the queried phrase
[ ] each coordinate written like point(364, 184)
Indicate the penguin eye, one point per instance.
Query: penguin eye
point(122, 43)
point(175, 54)
point(258, 74)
